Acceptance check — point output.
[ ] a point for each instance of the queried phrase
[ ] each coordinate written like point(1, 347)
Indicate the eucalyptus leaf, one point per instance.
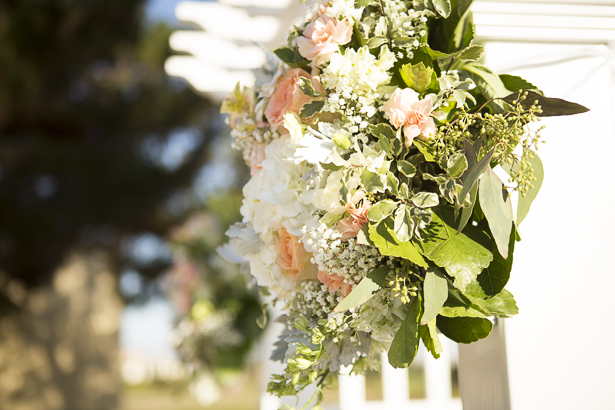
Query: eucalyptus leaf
point(498, 211)
point(464, 329)
point(381, 210)
point(463, 255)
point(435, 293)
point(365, 290)
point(372, 181)
point(466, 212)
point(311, 108)
point(429, 334)
point(551, 107)
point(406, 342)
point(524, 202)
point(383, 237)
point(474, 173)
point(514, 83)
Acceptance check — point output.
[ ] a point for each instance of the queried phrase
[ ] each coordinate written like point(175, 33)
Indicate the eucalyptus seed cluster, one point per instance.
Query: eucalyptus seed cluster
point(404, 284)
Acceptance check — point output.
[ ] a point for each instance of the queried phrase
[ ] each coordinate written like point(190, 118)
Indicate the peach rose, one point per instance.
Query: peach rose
point(256, 158)
point(405, 109)
point(287, 96)
point(350, 227)
point(335, 282)
point(322, 37)
point(290, 253)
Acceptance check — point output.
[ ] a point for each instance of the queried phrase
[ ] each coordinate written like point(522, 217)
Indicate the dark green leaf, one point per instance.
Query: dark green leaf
point(311, 108)
point(435, 293)
point(493, 279)
point(474, 173)
point(514, 83)
point(464, 255)
point(406, 342)
point(464, 329)
point(381, 210)
point(524, 203)
point(466, 212)
point(551, 107)
point(429, 335)
point(498, 211)
point(365, 290)
point(285, 54)
point(383, 237)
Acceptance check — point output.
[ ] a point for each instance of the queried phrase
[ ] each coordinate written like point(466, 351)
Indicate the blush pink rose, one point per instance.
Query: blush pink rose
point(406, 110)
point(350, 227)
point(335, 282)
point(322, 37)
point(287, 96)
point(290, 253)
point(256, 158)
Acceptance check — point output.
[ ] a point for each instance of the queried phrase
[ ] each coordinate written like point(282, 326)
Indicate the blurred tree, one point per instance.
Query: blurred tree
point(95, 144)
point(86, 114)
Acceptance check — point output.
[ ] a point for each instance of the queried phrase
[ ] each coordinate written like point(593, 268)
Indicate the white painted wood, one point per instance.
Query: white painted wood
point(395, 388)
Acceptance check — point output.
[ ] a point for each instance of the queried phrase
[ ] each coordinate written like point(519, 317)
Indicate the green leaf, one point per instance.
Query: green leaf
point(403, 225)
point(489, 84)
point(372, 181)
point(443, 7)
point(285, 54)
point(429, 335)
point(341, 140)
point(464, 255)
point(362, 3)
point(261, 321)
point(551, 107)
point(435, 293)
point(406, 342)
point(425, 200)
point(308, 88)
point(425, 149)
point(498, 211)
point(514, 83)
point(381, 210)
point(460, 311)
point(384, 144)
point(381, 130)
point(311, 108)
point(393, 183)
point(406, 168)
point(365, 290)
point(494, 277)
point(464, 329)
point(376, 42)
point(331, 166)
point(456, 165)
point(383, 237)
point(501, 305)
point(524, 203)
point(474, 173)
point(417, 76)
point(466, 212)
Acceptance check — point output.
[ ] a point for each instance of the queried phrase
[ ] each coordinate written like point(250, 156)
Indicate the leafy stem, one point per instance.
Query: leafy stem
point(389, 34)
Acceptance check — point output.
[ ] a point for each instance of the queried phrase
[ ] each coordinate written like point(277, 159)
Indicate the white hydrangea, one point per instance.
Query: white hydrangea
point(344, 8)
point(358, 70)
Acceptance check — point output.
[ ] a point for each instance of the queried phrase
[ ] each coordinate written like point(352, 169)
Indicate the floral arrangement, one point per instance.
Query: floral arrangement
point(374, 212)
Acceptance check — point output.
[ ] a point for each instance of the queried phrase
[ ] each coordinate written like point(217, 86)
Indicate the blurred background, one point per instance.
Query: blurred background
point(117, 183)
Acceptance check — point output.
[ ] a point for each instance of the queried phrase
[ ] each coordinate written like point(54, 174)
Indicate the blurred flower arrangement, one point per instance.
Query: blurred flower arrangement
point(218, 312)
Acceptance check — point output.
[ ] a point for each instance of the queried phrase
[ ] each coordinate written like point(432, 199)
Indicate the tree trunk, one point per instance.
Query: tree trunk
point(61, 350)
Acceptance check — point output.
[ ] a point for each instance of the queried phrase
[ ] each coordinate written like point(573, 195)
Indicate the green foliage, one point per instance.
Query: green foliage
point(418, 77)
point(430, 338)
point(435, 293)
point(549, 107)
point(497, 210)
point(464, 329)
point(526, 198)
point(406, 342)
point(493, 278)
point(365, 290)
point(383, 237)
